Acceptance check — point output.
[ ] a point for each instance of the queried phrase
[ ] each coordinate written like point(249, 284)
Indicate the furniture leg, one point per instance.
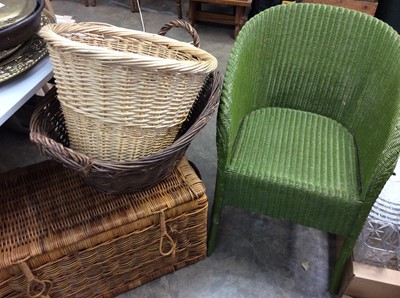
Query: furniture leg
point(215, 215)
point(134, 6)
point(193, 8)
point(239, 14)
point(49, 7)
point(179, 8)
point(345, 254)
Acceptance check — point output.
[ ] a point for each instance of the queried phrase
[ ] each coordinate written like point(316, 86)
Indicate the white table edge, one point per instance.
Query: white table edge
point(17, 91)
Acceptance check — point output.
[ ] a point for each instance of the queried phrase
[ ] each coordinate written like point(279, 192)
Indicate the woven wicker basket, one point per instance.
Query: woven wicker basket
point(60, 238)
point(48, 131)
point(124, 93)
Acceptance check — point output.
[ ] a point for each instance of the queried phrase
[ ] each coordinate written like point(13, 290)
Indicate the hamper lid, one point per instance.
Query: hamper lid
point(46, 207)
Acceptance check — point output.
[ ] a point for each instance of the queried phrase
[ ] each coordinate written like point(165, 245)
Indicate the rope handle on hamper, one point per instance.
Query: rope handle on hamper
point(36, 287)
point(164, 234)
point(181, 24)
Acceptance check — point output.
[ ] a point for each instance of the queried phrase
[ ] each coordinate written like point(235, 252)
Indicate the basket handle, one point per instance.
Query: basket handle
point(181, 24)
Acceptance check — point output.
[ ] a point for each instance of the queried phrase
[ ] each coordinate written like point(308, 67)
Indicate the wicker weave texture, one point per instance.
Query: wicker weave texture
point(126, 89)
point(316, 162)
point(81, 243)
point(48, 131)
point(329, 61)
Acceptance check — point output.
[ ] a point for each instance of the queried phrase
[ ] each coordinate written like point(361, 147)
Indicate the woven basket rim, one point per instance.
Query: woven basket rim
point(81, 161)
point(207, 64)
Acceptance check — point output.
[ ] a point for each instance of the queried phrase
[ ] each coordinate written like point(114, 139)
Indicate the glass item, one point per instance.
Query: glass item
point(378, 244)
point(12, 11)
point(387, 206)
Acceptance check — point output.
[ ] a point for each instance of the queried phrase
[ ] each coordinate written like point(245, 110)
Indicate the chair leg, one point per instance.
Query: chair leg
point(194, 7)
point(239, 15)
point(179, 8)
point(344, 256)
point(134, 6)
point(215, 215)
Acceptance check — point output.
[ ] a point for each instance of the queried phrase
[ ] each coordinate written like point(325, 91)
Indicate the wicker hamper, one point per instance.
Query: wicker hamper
point(60, 238)
point(124, 93)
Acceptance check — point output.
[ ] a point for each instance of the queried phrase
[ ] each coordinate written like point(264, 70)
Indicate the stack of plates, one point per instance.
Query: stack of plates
point(12, 12)
point(20, 57)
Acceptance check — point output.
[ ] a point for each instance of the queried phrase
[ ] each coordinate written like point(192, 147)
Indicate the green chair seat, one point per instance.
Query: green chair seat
point(294, 161)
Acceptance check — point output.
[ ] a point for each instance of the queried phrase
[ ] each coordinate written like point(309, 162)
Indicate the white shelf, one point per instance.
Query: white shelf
point(17, 91)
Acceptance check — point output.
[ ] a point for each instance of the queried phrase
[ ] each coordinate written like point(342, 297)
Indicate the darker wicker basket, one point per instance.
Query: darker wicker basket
point(48, 131)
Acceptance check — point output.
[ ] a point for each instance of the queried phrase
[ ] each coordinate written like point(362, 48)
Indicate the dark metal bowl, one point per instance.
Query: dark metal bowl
point(20, 32)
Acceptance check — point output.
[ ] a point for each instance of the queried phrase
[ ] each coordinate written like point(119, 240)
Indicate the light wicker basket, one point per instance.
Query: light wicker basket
point(48, 131)
point(124, 93)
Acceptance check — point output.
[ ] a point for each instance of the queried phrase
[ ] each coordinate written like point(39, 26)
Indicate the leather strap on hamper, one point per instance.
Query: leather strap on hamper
point(36, 287)
point(164, 234)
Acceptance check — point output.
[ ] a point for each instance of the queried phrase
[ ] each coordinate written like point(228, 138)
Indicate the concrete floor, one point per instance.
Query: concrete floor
point(256, 256)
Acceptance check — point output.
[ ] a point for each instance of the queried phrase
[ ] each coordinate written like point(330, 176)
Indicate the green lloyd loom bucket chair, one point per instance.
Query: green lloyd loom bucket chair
point(308, 124)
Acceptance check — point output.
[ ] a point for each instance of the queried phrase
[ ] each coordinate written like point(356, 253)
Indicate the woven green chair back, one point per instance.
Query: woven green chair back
point(323, 59)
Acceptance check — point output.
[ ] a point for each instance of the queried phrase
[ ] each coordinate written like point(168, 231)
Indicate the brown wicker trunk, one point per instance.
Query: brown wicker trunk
point(61, 238)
